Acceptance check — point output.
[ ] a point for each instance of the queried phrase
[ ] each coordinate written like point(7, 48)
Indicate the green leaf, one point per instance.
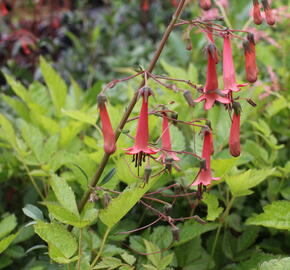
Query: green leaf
point(57, 235)
point(81, 116)
point(5, 242)
point(58, 256)
point(7, 225)
point(178, 140)
point(128, 258)
point(154, 257)
point(67, 217)
point(276, 264)
point(56, 85)
point(18, 88)
point(213, 209)
point(64, 194)
point(191, 229)
point(33, 212)
point(276, 215)
point(108, 262)
point(248, 238)
point(241, 184)
point(7, 131)
point(127, 199)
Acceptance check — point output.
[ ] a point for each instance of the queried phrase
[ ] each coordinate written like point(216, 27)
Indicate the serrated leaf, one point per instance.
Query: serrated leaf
point(7, 225)
point(108, 262)
point(191, 229)
point(247, 238)
point(64, 194)
point(81, 116)
point(33, 212)
point(127, 199)
point(56, 85)
point(213, 209)
point(276, 215)
point(7, 131)
point(154, 257)
point(130, 259)
point(58, 256)
point(57, 235)
point(276, 264)
point(241, 184)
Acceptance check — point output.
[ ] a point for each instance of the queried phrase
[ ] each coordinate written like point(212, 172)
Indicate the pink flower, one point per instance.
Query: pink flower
point(145, 5)
point(107, 130)
point(166, 142)
point(210, 94)
point(257, 17)
point(234, 141)
point(141, 148)
point(204, 176)
point(4, 10)
point(229, 75)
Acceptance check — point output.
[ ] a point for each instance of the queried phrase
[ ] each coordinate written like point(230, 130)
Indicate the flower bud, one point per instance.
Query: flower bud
point(205, 4)
point(234, 141)
point(175, 233)
point(147, 174)
point(268, 13)
point(107, 130)
point(250, 61)
point(188, 97)
point(257, 17)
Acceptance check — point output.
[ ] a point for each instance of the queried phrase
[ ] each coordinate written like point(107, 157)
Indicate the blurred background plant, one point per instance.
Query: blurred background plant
point(46, 135)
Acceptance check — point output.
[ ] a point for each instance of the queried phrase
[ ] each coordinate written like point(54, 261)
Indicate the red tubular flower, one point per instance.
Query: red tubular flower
point(211, 86)
point(250, 59)
point(141, 148)
point(205, 4)
point(229, 75)
point(4, 10)
point(268, 13)
point(257, 17)
point(145, 5)
point(234, 141)
point(174, 3)
point(166, 142)
point(204, 176)
point(108, 133)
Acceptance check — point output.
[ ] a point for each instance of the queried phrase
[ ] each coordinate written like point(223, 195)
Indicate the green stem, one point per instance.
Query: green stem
point(33, 181)
point(216, 240)
point(80, 249)
point(101, 247)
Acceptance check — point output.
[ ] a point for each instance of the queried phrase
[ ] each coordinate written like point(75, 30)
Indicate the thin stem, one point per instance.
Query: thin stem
point(127, 113)
point(80, 248)
point(99, 254)
point(33, 181)
point(215, 240)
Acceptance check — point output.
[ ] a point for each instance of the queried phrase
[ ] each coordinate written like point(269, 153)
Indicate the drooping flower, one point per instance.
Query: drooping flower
point(257, 17)
point(234, 140)
point(166, 142)
point(229, 75)
point(250, 59)
point(174, 3)
point(145, 5)
point(205, 4)
point(270, 19)
point(4, 10)
point(204, 176)
point(210, 91)
point(107, 130)
point(141, 148)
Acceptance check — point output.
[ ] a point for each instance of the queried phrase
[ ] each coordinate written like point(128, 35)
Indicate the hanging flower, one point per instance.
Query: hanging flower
point(268, 13)
point(107, 130)
point(210, 91)
point(234, 141)
point(257, 17)
point(250, 58)
point(229, 75)
point(205, 4)
point(204, 176)
point(141, 148)
point(145, 5)
point(166, 142)
point(4, 10)
point(174, 3)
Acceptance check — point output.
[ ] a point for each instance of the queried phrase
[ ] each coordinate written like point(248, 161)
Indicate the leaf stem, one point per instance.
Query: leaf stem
point(80, 249)
point(99, 254)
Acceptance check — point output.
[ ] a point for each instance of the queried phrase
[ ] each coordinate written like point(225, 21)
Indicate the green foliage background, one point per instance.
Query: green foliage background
point(51, 147)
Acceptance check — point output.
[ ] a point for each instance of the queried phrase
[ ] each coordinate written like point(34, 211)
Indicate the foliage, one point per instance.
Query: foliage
point(51, 146)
